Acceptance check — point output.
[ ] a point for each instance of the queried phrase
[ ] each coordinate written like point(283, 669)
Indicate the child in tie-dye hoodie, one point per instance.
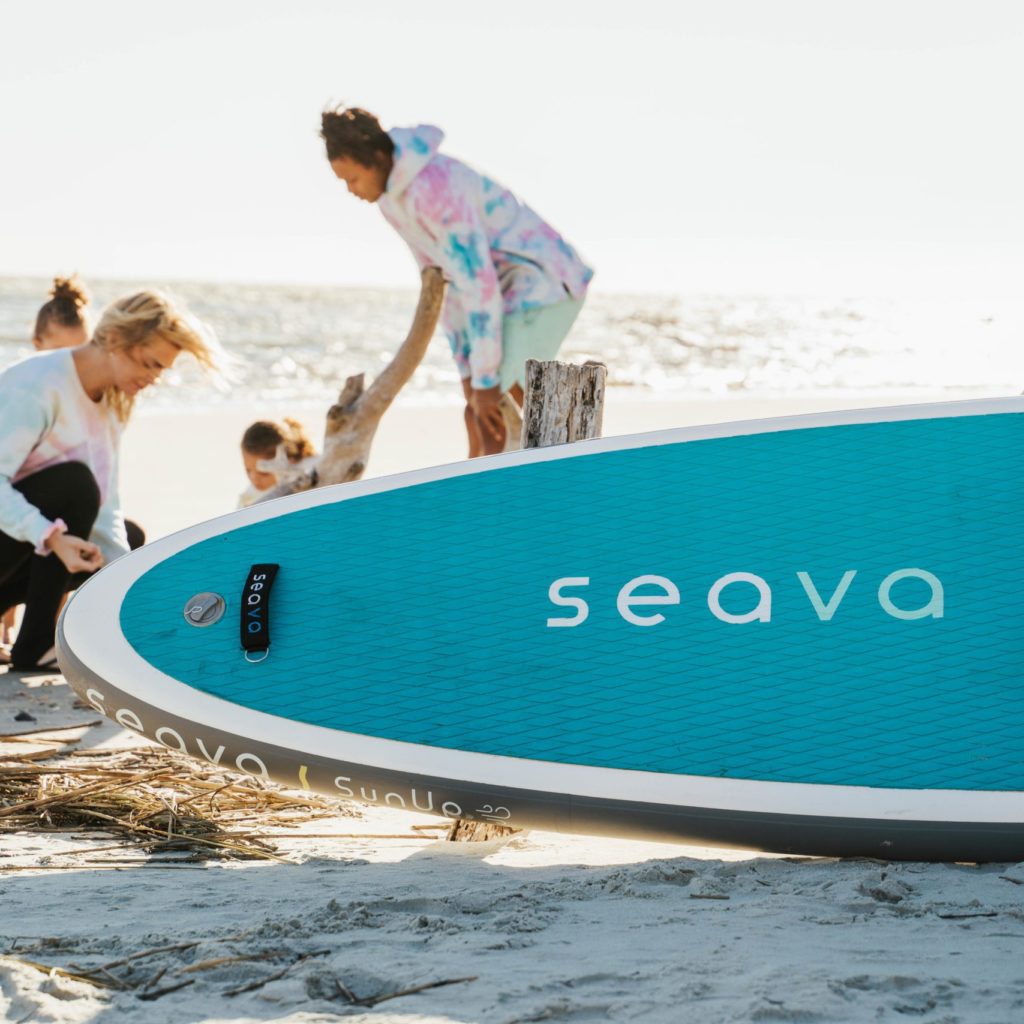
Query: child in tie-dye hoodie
point(515, 286)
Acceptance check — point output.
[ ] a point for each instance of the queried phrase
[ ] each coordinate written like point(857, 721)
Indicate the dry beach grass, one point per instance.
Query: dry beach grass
point(153, 801)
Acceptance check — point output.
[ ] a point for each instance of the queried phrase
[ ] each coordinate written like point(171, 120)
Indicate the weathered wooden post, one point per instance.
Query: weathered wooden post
point(562, 403)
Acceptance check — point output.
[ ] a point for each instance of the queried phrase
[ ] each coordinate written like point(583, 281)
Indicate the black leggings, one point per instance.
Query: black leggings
point(67, 491)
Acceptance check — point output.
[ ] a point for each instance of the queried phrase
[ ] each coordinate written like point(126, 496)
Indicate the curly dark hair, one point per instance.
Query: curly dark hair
point(68, 297)
point(355, 133)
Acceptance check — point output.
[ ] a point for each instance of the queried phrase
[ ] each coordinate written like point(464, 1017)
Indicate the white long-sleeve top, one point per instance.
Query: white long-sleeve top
point(46, 418)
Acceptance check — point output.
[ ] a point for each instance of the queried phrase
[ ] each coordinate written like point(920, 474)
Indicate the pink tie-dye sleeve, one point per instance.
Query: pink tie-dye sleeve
point(447, 203)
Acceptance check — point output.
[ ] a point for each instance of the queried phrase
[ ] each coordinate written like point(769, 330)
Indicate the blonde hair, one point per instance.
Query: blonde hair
point(264, 436)
point(148, 316)
point(66, 305)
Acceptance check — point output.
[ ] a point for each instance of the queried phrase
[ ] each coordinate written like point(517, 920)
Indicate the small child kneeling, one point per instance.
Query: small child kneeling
point(286, 445)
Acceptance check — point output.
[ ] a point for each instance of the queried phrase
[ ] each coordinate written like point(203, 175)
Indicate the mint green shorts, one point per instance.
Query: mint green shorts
point(534, 334)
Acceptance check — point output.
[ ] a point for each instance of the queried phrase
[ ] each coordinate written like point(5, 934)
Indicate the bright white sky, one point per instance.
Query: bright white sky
point(681, 145)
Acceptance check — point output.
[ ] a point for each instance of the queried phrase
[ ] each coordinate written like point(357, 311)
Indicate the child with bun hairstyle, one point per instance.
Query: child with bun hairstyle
point(515, 285)
point(62, 413)
point(271, 451)
point(63, 321)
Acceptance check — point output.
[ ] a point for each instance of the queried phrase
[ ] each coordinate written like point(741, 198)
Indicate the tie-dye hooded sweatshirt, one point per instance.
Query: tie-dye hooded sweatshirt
point(497, 255)
point(46, 418)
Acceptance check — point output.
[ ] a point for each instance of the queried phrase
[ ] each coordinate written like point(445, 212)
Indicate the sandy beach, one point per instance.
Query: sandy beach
point(414, 929)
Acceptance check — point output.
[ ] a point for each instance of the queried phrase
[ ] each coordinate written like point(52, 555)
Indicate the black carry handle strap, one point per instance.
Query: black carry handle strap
point(255, 615)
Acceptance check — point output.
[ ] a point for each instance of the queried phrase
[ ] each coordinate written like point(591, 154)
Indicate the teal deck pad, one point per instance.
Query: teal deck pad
point(421, 613)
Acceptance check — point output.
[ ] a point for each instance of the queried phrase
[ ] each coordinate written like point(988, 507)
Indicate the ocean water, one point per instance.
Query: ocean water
point(291, 343)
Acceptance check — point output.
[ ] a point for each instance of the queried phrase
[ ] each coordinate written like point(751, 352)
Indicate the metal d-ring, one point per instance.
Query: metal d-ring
point(256, 661)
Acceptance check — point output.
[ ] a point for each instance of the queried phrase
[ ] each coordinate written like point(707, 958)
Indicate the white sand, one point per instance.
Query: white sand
point(549, 927)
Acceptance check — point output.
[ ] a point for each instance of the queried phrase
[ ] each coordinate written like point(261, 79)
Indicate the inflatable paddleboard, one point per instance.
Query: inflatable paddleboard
point(800, 634)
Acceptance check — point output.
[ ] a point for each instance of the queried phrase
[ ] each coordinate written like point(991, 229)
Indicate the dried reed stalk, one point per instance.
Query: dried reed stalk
point(156, 801)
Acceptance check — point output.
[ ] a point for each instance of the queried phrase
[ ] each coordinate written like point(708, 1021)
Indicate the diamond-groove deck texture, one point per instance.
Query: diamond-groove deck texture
point(419, 614)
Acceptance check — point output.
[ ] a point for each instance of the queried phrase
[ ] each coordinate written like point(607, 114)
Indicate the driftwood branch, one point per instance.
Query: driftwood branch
point(353, 420)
